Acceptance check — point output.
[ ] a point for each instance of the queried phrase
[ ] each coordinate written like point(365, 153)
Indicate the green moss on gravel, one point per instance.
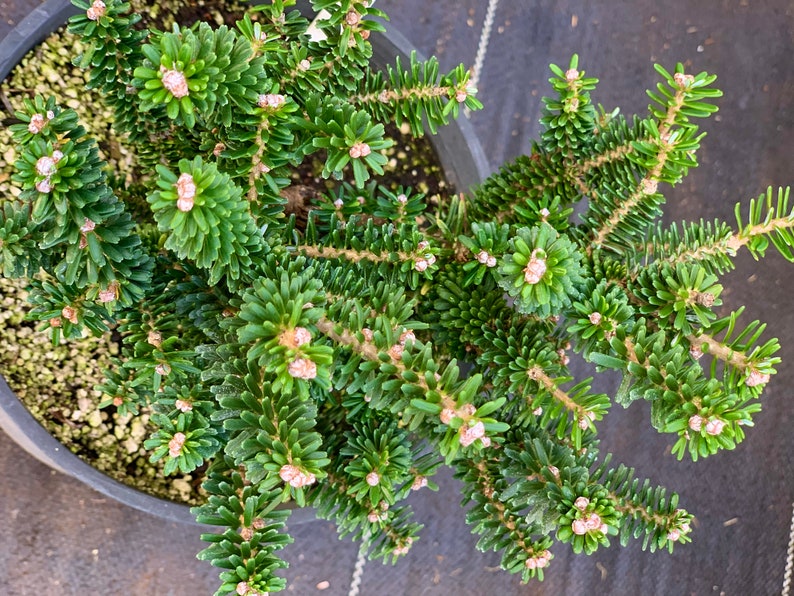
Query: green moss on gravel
point(56, 384)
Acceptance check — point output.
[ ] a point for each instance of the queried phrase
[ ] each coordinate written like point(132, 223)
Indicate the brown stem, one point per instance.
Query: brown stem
point(646, 186)
point(329, 252)
point(536, 373)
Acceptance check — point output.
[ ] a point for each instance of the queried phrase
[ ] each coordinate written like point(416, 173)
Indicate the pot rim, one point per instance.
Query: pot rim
point(456, 145)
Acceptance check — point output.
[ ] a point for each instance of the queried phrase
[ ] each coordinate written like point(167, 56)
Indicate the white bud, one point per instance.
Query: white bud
point(70, 314)
point(403, 548)
point(419, 482)
point(36, 124)
point(373, 479)
point(96, 10)
point(175, 444)
point(469, 434)
point(447, 414)
point(296, 477)
point(534, 270)
point(182, 405)
point(302, 336)
point(396, 351)
point(715, 426)
point(352, 18)
point(175, 82)
point(756, 378)
point(406, 336)
point(186, 192)
point(110, 293)
point(586, 419)
point(302, 368)
point(649, 186)
point(593, 521)
point(44, 186)
point(579, 527)
point(45, 165)
point(359, 149)
point(271, 100)
point(683, 80)
point(696, 422)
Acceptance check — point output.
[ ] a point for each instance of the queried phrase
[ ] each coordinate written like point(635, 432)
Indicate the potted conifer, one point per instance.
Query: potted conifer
point(310, 347)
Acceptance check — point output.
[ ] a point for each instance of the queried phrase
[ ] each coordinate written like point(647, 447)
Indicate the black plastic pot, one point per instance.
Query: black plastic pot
point(459, 152)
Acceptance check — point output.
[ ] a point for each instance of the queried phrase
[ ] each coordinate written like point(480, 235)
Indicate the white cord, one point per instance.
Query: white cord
point(482, 47)
point(789, 558)
point(358, 571)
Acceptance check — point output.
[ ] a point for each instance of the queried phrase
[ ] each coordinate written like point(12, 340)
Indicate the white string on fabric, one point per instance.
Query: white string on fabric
point(358, 570)
point(482, 47)
point(789, 558)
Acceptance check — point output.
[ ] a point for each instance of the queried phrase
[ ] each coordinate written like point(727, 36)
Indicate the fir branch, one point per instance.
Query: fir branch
point(644, 509)
point(367, 349)
point(330, 252)
point(501, 529)
point(646, 188)
point(417, 92)
point(705, 343)
point(619, 153)
point(664, 158)
point(537, 374)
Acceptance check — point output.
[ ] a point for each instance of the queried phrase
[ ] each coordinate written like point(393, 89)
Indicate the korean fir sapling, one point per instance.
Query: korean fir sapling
point(314, 359)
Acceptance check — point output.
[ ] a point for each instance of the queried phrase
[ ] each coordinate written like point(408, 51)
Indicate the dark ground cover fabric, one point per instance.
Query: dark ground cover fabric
point(58, 537)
